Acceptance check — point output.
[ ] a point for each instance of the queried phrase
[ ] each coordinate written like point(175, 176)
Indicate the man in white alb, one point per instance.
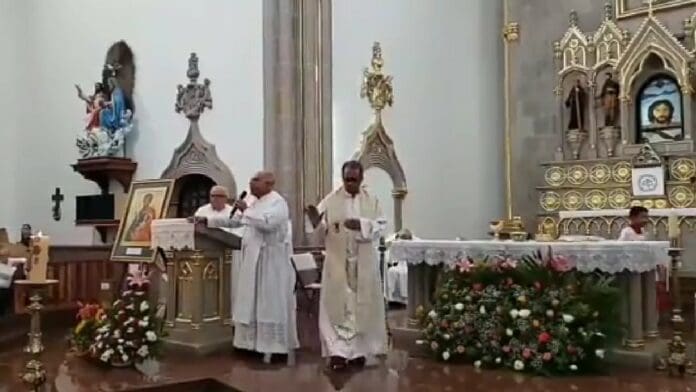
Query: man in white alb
point(218, 207)
point(264, 310)
point(351, 312)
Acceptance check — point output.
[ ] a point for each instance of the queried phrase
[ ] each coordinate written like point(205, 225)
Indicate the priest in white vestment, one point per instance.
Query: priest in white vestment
point(218, 207)
point(352, 320)
point(264, 310)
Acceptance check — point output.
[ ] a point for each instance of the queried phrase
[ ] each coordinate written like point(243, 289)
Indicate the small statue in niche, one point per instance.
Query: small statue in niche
point(609, 97)
point(109, 117)
point(576, 102)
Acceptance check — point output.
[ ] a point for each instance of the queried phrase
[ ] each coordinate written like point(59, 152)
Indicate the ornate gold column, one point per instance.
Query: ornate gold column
point(511, 33)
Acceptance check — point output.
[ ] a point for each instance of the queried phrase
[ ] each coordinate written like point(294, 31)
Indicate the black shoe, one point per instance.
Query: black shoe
point(357, 363)
point(337, 364)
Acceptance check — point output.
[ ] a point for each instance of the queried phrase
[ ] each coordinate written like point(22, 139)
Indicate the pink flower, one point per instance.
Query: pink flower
point(526, 353)
point(537, 286)
point(560, 264)
point(138, 279)
point(477, 287)
point(463, 265)
point(546, 357)
point(506, 349)
point(508, 263)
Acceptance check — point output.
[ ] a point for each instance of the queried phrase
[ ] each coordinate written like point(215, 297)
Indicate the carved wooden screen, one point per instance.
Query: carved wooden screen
point(193, 194)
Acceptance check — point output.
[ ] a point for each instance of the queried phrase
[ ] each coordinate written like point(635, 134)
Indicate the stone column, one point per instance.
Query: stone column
point(398, 195)
point(688, 98)
point(297, 101)
point(650, 315)
point(635, 324)
point(592, 131)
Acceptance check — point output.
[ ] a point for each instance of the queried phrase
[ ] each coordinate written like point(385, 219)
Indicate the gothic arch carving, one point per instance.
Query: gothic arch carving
point(197, 156)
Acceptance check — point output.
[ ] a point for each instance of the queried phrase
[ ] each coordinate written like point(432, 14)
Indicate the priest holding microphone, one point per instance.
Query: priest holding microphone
point(264, 309)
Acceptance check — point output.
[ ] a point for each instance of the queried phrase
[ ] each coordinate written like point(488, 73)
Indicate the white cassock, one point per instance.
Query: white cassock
point(264, 309)
point(352, 320)
point(628, 234)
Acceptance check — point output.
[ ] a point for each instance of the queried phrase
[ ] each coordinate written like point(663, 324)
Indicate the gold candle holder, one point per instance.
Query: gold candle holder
point(34, 375)
point(677, 361)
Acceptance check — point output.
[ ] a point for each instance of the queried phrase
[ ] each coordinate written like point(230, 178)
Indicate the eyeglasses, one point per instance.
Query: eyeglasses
point(218, 196)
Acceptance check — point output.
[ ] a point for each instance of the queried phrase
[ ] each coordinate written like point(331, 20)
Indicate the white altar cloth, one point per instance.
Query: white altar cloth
point(173, 234)
point(661, 212)
point(606, 256)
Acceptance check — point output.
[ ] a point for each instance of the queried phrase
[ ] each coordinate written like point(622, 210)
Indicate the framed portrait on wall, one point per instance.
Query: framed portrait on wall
point(633, 8)
point(147, 201)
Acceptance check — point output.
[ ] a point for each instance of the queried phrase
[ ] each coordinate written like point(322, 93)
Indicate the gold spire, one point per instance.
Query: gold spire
point(376, 86)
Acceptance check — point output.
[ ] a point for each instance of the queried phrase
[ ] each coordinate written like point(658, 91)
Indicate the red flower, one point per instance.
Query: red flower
point(547, 357)
point(544, 338)
point(526, 353)
point(560, 264)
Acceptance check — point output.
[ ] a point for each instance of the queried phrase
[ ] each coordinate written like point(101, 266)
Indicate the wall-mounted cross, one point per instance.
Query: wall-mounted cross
point(57, 198)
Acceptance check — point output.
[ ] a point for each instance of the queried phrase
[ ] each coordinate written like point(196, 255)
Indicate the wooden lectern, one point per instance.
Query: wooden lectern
point(198, 264)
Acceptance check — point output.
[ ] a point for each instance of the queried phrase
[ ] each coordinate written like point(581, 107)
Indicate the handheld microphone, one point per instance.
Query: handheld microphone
point(241, 197)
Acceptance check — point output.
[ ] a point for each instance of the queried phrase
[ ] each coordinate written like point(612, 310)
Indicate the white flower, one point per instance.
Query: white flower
point(601, 335)
point(446, 336)
point(100, 345)
point(482, 309)
point(130, 330)
point(568, 318)
point(117, 334)
point(446, 355)
point(130, 307)
point(120, 341)
point(143, 323)
point(549, 313)
point(144, 306)
point(599, 353)
point(498, 360)
point(420, 342)
point(518, 365)
point(119, 349)
point(150, 336)
point(143, 351)
point(477, 364)
point(124, 358)
point(514, 313)
point(524, 313)
point(97, 338)
point(459, 306)
point(432, 314)
point(508, 332)
point(467, 298)
point(573, 367)
point(105, 356)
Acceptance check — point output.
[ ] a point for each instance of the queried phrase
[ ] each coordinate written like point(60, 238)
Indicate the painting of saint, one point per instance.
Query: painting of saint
point(660, 111)
point(147, 201)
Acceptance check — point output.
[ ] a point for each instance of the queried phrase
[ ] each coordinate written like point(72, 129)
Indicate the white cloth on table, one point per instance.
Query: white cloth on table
point(264, 310)
point(361, 331)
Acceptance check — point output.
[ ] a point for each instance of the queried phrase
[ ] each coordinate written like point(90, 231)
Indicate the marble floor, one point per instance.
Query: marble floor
point(245, 373)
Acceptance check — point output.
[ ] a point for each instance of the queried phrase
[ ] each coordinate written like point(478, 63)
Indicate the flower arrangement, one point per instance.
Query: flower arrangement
point(131, 331)
point(90, 317)
point(536, 315)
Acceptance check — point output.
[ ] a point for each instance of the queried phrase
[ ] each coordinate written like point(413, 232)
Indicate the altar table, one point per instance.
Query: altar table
point(634, 263)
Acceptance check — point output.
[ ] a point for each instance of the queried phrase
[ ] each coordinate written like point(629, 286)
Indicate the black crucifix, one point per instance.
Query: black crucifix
point(57, 199)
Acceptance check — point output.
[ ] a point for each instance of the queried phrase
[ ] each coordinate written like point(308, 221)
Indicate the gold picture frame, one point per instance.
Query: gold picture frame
point(147, 200)
point(634, 8)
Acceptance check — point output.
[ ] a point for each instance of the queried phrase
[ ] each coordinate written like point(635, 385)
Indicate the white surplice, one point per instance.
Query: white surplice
point(264, 309)
point(628, 234)
point(213, 215)
point(352, 276)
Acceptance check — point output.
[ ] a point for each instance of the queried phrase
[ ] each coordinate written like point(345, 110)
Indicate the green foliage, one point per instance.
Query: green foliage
point(529, 315)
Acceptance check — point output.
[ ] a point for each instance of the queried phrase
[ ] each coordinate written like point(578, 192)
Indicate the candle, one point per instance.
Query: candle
point(672, 226)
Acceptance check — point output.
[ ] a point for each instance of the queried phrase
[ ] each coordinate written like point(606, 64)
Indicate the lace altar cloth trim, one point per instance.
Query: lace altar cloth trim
point(173, 234)
point(606, 256)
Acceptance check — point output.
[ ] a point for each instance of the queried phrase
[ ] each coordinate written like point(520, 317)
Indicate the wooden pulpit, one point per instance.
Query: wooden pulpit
point(198, 264)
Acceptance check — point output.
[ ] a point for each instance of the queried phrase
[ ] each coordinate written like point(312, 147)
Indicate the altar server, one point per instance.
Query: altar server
point(637, 219)
point(264, 310)
point(351, 312)
point(218, 207)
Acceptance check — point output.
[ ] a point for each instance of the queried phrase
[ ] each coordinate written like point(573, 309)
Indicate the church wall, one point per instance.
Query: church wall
point(532, 82)
point(66, 43)
point(447, 121)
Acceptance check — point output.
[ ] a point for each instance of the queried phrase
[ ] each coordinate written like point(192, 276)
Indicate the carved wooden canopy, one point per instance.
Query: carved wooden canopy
point(196, 156)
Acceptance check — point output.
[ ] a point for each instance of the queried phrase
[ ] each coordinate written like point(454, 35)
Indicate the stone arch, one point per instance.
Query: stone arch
point(377, 151)
point(196, 156)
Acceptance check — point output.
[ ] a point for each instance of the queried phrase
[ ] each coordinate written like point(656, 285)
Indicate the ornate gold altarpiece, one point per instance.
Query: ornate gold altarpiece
point(598, 150)
point(199, 270)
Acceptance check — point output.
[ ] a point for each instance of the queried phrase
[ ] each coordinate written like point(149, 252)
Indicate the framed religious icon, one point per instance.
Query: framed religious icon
point(147, 201)
point(634, 8)
point(659, 111)
point(648, 181)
